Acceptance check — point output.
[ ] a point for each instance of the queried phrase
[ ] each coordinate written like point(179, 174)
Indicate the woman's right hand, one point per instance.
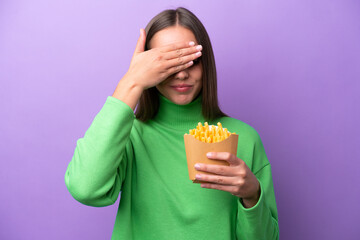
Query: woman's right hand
point(149, 68)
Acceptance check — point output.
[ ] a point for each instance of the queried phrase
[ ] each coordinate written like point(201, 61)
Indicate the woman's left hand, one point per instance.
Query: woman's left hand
point(236, 179)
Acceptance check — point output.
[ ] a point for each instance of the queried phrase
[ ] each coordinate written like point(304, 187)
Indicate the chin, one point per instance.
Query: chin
point(178, 98)
point(181, 100)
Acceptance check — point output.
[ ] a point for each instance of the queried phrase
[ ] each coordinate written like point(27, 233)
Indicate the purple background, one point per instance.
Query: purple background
point(291, 69)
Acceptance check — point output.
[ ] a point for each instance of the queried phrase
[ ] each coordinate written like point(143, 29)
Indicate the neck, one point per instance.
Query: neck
point(182, 117)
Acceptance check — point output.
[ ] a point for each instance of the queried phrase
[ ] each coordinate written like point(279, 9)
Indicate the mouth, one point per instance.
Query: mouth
point(181, 87)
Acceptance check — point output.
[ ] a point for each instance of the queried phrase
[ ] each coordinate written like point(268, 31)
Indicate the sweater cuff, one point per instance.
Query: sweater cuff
point(109, 118)
point(254, 212)
point(113, 100)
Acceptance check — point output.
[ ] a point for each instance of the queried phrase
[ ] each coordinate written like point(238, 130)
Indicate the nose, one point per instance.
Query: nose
point(182, 75)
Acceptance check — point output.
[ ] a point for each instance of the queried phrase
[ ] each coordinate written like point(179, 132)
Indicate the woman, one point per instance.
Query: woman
point(172, 78)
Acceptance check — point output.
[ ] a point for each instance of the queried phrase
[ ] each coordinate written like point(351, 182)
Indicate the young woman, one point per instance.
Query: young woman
point(172, 81)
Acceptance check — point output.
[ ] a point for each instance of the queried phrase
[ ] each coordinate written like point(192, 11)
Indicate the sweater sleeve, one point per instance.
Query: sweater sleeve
point(260, 221)
point(97, 170)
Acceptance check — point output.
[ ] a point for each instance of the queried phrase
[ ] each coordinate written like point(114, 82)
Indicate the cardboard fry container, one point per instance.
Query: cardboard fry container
point(196, 152)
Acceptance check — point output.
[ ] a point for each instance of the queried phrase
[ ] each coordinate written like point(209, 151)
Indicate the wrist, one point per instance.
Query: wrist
point(131, 83)
point(128, 91)
point(251, 201)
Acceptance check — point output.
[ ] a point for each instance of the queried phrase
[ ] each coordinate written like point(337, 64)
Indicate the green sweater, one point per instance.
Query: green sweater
point(147, 163)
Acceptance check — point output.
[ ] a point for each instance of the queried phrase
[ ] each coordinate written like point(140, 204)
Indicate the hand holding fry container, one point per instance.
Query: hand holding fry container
point(204, 139)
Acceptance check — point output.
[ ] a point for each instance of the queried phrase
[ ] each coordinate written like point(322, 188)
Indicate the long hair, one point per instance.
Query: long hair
point(148, 105)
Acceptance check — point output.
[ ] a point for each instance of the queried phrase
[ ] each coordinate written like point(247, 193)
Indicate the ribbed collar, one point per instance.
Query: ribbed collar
point(182, 117)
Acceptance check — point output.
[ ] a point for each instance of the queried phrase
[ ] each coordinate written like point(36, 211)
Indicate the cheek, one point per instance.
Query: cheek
point(196, 71)
point(166, 81)
point(198, 74)
point(199, 70)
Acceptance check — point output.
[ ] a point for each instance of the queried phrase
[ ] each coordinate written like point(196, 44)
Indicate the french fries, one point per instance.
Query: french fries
point(210, 134)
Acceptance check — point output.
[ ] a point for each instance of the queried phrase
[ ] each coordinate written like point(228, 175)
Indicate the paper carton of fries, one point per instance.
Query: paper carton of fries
point(206, 139)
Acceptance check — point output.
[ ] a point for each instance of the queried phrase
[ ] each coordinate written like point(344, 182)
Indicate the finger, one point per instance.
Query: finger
point(175, 65)
point(226, 188)
point(224, 180)
point(140, 46)
point(225, 156)
point(176, 46)
point(179, 68)
point(217, 169)
point(182, 52)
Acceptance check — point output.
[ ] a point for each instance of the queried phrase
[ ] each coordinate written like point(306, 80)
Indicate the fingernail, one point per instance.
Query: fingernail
point(198, 176)
point(197, 166)
point(198, 54)
point(191, 43)
point(199, 47)
point(209, 154)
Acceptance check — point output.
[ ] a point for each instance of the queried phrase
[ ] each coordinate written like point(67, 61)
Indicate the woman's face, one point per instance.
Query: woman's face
point(191, 76)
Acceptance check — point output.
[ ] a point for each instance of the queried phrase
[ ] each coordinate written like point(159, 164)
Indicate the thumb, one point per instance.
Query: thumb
point(140, 46)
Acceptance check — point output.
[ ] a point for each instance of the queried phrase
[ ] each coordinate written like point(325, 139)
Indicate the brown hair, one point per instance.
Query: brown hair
point(149, 101)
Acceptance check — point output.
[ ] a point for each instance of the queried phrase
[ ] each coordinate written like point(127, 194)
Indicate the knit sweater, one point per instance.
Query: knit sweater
point(147, 163)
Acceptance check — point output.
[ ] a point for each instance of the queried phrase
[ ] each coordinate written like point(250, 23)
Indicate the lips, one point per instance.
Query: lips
point(181, 85)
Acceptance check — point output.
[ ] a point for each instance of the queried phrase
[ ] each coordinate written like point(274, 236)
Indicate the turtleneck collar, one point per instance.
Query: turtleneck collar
point(182, 117)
